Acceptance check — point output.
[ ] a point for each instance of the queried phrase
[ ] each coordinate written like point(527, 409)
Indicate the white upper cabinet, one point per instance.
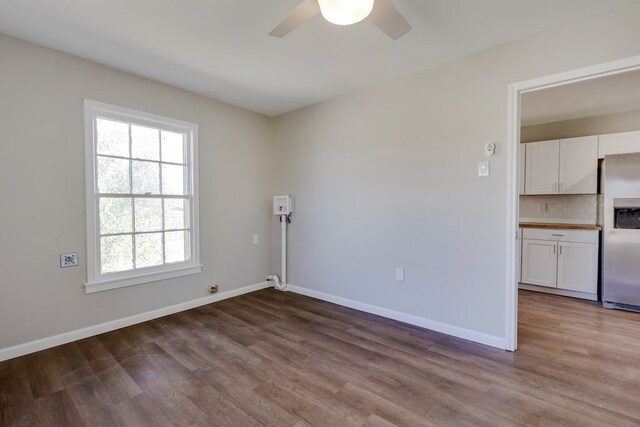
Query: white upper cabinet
point(542, 166)
point(578, 165)
point(564, 166)
point(619, 143)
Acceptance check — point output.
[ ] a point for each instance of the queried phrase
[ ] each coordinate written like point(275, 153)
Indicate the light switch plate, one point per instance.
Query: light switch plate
point(400, 273)
point(69, 260)
point(483, 168)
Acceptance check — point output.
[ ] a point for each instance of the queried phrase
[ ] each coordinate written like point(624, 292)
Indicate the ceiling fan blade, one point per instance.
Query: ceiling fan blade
point(301, 14)
point(386, 17)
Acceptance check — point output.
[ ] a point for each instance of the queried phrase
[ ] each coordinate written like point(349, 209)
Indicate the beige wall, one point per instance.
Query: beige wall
point(382, 178)
point(597, 125)
point(387, 177)
point(43, 198)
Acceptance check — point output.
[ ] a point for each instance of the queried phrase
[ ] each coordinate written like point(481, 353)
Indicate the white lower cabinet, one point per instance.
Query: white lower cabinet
point(566, 260)
point(578, 266)
point(539, 262)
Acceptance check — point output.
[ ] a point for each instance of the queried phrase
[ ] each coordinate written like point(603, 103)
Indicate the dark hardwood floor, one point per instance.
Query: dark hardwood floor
point(280, 359)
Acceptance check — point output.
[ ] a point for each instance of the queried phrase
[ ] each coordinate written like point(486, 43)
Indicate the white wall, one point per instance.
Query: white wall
point(386, 177)
point(43, 202)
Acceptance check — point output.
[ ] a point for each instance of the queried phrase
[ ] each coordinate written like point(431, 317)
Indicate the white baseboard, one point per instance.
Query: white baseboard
point(78, 334)
point(467, 334)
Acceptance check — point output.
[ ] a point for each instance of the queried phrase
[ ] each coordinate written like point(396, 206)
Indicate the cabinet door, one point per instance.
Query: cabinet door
point(539, 262)
point(578, 267)
point(521, 168)
point(579, 165)
point(542, 167)
point(618, 143)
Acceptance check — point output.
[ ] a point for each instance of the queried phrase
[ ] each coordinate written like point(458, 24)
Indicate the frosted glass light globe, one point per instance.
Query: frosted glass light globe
point(345, 12)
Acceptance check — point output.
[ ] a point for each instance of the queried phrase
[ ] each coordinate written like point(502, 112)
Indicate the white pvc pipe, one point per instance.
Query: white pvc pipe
point(283, 256)
point(276, 282)
point(281, 284)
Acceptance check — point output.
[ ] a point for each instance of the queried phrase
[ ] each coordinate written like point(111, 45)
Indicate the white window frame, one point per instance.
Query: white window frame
point(97, 281)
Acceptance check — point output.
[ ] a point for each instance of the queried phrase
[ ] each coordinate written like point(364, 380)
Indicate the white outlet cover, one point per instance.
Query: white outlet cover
point(256, 239)
point(399, 273)
point(69, 260)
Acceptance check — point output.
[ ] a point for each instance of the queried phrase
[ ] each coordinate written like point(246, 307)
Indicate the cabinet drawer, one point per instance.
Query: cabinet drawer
point(580, 236)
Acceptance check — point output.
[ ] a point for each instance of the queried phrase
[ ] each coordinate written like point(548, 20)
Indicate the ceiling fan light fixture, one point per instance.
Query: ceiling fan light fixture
point(345, 12)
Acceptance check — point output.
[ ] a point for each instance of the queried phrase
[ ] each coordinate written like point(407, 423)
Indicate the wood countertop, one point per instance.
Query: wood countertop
point(560, 226)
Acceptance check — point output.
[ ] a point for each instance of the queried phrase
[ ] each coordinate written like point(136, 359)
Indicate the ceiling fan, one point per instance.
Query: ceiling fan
point(381, 13)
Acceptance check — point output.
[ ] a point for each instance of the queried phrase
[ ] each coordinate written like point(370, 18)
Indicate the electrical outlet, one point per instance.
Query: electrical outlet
point(69, 260)
point(213, 289)
point(400, 273)
point(256, 239)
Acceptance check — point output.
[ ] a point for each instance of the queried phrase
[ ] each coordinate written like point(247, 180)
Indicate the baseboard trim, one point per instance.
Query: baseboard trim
point(78, 334)
point(467, 334)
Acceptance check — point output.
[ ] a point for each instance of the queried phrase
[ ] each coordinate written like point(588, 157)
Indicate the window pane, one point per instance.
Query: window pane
point(148, 214)
point(113, 138)
point(113, 176)
point(116, 253)
point(146, 177)
point(148, 250)
point(176, 214)
point(172, 147)
point(115, 215)
point(145, 143)
point(173, 179)
point(176, 246)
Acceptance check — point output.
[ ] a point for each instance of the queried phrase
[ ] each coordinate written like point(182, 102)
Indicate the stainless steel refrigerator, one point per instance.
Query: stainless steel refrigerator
point(621, 239)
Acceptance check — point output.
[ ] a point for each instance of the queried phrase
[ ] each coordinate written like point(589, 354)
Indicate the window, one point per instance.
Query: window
point(142, 222)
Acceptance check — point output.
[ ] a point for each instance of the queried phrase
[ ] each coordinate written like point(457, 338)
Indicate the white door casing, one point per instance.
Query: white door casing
point(515, 91)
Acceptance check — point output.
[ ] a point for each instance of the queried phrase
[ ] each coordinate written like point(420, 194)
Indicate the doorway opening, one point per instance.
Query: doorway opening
point(534, 101)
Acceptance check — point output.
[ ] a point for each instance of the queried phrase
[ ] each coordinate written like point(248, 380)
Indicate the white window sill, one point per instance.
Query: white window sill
point(105, 285)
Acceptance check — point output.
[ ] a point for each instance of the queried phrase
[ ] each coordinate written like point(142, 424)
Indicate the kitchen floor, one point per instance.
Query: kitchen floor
point(281, 359)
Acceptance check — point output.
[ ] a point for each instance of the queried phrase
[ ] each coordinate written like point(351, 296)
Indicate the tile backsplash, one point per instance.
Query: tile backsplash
point(563, 209)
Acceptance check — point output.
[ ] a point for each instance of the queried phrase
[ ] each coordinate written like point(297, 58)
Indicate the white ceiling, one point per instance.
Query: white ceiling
point(220, 48)
point(595, 97)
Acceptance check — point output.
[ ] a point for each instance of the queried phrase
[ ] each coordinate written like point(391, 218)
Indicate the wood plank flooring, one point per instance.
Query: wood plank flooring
point(281, 359)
